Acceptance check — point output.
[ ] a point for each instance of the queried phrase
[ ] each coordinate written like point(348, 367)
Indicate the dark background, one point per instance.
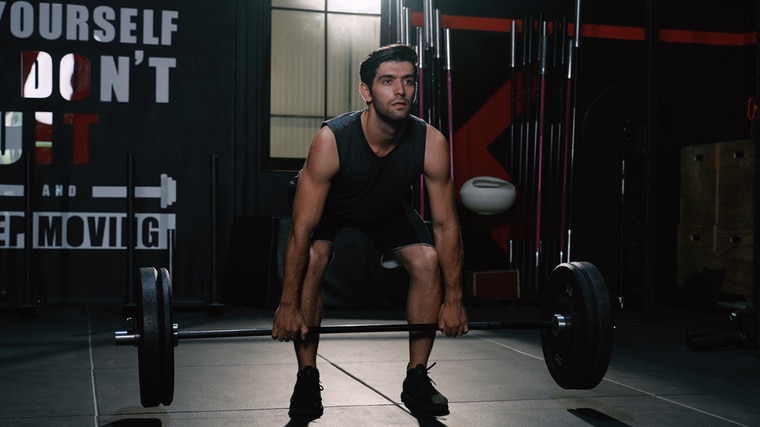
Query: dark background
point(219, 105)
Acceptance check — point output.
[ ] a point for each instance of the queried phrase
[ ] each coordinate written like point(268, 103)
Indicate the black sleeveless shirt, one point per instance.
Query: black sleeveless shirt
point(368, 187)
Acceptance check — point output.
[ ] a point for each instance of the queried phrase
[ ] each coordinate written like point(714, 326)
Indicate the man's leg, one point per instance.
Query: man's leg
point(306, 401)
point(311, 302)
point(424, 299)
point(423, 305)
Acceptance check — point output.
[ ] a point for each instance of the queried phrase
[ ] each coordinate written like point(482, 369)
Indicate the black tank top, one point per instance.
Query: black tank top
point(369, 187)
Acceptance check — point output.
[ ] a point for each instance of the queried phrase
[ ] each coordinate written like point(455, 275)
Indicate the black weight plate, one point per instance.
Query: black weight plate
point(149, 346)
point(578, 357)
point(604, 324)
point(166, 336)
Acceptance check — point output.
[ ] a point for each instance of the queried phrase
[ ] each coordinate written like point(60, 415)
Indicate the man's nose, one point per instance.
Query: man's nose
point(398, 87)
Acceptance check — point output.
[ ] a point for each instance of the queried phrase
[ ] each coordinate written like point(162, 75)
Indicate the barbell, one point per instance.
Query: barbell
point(576, 330)
point(166, 192)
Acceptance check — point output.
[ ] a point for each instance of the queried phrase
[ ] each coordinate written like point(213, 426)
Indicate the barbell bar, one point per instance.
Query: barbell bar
point(126, 338)
point(576, 330)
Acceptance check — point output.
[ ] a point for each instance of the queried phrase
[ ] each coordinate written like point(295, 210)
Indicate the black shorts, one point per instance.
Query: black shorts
point(402, 228)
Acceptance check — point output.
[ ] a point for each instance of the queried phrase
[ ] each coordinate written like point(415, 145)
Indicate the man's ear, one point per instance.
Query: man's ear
point(365, 92)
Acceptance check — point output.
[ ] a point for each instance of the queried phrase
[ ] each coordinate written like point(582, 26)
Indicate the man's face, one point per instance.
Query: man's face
point(393, 90)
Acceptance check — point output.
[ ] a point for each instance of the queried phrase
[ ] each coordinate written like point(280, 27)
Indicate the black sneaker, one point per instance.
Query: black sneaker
point(420, 396)
point(306, 402)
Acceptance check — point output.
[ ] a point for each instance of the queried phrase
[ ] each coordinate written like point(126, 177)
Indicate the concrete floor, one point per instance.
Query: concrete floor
point(62, 369)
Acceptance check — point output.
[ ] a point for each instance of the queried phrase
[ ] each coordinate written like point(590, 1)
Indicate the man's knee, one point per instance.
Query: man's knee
point(420, 260)
point(320, 254)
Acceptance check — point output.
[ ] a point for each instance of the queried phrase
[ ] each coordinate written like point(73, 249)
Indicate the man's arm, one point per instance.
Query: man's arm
point(448, 243)
point(313, 184)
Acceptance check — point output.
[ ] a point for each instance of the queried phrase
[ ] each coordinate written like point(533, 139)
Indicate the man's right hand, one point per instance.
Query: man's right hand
point(289, 324)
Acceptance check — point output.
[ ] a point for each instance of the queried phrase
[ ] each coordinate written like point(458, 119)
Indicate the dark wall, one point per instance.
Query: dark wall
point(703, 73)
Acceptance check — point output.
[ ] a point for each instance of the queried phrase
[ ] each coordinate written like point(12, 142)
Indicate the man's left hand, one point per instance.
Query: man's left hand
point(452, 319)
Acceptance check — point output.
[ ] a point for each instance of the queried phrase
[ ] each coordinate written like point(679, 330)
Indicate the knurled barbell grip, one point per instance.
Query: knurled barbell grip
point(346, 329)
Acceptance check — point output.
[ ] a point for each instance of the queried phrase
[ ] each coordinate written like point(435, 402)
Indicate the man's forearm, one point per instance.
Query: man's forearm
point(294, 268)
point(450, 256)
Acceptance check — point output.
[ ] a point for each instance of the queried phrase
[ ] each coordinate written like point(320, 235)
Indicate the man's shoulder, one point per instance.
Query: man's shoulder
point(417, 120)
point(419, 127)
point(343, 120)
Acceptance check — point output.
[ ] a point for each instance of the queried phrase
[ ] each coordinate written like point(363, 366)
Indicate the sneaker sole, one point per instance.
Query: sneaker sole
point(436, 411)
point(305, 415)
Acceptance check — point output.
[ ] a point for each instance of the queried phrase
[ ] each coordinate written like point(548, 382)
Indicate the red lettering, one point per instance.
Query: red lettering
point(43, 143)
point(81, 137)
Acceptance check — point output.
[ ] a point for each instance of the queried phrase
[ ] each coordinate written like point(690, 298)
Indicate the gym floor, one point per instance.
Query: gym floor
point(63, 369)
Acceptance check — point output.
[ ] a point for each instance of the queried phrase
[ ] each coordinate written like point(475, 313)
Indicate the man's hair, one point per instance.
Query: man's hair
point(391, 52)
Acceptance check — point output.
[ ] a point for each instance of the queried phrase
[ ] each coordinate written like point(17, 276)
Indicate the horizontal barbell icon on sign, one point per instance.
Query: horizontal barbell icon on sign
point(167, 192)
point(11, 190)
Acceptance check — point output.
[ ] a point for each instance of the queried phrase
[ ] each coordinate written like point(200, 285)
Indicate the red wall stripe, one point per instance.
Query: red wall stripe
point(612, 32)
point(708, 38)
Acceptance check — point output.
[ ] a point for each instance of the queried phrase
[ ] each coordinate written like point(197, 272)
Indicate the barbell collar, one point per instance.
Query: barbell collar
point(560, 323)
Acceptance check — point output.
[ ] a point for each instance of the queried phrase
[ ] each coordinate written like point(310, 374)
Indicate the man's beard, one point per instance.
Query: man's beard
point(392, 118)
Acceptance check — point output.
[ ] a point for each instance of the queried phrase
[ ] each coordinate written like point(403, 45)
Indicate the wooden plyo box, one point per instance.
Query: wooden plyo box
point(698, 184)
point(494, 285)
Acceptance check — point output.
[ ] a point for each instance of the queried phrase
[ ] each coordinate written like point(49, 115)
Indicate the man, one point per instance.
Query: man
point(359, 172)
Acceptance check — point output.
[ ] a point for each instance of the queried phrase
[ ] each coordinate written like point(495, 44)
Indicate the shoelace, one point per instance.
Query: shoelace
point(321, 388)
point(319, 383)
point(427, 371)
